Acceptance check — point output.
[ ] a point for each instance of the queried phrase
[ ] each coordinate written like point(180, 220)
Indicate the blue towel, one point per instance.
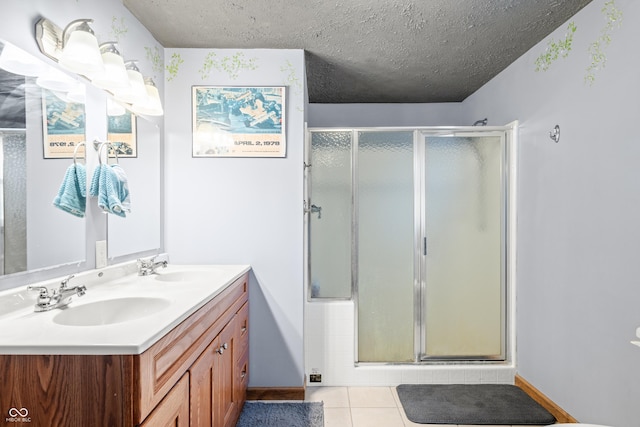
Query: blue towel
point(110, 185)
point(94, 189)
point(72, 196)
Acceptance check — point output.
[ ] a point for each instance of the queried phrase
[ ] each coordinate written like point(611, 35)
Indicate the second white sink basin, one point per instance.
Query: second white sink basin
point(108, 312)
point(184, 276)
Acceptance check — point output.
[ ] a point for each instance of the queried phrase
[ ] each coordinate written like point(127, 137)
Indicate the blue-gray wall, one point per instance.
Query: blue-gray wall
point(578, 216)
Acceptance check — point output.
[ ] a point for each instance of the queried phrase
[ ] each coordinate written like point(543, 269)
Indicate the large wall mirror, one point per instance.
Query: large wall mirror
point(40, 126)
point(34, 233)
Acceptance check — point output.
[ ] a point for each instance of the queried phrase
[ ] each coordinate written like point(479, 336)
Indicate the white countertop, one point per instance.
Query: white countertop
point(23, 331)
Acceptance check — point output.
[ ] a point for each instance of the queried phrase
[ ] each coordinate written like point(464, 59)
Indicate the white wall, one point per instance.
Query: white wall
point(243, 210)
point(578, 210)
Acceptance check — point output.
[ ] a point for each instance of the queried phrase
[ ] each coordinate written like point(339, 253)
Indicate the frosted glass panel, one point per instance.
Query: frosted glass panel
point(385, 247)
point(14, 187)
point(330, 228)
point(464, 263)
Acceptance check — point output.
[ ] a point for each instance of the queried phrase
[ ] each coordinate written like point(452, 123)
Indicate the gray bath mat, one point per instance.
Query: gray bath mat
point(495, 404)
point(286, 414)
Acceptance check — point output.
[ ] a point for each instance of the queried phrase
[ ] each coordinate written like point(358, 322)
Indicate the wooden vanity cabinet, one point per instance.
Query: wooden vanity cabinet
point(187, 378)
point(204, 346)
point(173, 410)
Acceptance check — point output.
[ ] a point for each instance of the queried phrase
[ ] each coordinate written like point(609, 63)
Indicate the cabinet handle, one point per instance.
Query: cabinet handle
point(222, 348)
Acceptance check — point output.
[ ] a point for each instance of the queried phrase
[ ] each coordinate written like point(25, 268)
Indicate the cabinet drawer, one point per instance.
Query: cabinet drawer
point(241, 379)
point(242, 331)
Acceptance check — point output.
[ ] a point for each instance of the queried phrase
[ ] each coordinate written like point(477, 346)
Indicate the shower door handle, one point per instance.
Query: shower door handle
point(424, 246)
point(313, 209)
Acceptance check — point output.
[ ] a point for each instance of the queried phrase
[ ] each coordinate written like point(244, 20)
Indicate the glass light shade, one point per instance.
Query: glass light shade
point(114, 108)
point(136, 92)
point(114, 76)
point(151, 106)
point(17, 61)
point(81, 53)
point(56, 81)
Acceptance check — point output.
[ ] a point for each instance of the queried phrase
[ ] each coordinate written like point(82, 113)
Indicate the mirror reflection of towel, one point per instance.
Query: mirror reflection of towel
point(110, 185)
point(72, 196)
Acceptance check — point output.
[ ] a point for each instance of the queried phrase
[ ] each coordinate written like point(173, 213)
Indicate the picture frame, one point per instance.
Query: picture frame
point(239, 121)
point(122, 134)
point(64, 126)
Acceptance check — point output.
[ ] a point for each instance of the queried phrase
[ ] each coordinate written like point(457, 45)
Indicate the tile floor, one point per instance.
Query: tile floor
point(362, 407)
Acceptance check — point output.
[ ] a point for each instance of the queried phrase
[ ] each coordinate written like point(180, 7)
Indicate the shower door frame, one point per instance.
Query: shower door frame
point(420, 253)
point(509, 174)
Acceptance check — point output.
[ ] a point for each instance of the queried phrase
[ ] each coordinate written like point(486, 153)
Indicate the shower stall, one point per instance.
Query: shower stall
point(412, 227)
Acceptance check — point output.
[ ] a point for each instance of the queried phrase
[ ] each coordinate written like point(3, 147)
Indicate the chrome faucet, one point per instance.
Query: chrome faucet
point(58, 298)
point(149, 266)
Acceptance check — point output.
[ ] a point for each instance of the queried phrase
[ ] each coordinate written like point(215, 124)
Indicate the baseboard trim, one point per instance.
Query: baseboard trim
point(561, 415)
point(275, 393)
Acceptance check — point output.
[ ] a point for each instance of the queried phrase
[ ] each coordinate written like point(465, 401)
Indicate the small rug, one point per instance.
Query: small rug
point(494, 404)
point(281, 414)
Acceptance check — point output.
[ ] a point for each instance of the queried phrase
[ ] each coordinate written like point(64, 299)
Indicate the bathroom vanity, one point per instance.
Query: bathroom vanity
point(181, 364)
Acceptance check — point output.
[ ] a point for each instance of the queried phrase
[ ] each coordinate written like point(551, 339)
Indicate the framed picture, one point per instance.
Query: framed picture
point(121, 133)
point(239, 121)
point(63, 127)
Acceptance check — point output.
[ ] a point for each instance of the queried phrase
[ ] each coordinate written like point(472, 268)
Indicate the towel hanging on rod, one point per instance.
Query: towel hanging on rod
point(110, 185)
point(72, 196)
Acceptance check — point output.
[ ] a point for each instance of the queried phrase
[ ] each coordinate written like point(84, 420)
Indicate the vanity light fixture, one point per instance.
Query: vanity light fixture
point(80, 50)
point(151, 106)
point(76, 49)
point(136, 92)
point(114, 75)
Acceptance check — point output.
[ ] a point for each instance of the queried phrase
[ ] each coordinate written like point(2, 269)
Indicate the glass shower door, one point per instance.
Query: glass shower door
point(463, 223)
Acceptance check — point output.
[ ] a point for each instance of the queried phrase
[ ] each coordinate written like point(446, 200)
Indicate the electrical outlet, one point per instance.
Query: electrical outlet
point(101, 253)
point(315, 378)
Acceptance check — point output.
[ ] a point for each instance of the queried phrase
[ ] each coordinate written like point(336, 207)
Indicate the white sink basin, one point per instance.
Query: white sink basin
point(185, 276)
point(108, 312)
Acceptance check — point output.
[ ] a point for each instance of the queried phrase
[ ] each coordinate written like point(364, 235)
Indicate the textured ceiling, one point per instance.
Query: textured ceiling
point(360, 51)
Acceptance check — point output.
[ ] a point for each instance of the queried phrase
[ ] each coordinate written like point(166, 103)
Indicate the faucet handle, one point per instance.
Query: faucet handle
point(44, 297)
point(44, 291)
point(63, 284)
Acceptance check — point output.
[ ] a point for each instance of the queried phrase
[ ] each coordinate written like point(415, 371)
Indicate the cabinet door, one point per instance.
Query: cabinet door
point(226, 376)
point(213, 398)
point(202, 389)
point(173, 410)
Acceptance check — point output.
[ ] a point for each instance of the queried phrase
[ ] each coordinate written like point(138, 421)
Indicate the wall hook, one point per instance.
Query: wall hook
point(555, 133)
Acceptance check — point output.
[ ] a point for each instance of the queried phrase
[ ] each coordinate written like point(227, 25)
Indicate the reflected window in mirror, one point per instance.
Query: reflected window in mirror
point(35, 234)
